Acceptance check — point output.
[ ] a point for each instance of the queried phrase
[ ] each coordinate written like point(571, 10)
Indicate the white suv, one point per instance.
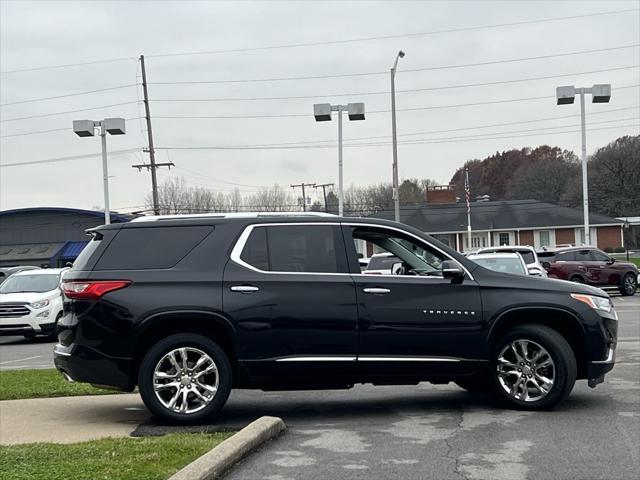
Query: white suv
point(31, 302)
point(528, 254)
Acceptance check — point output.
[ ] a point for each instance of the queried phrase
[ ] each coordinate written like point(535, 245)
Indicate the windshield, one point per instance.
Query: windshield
point(503, 265)
point(30, 283)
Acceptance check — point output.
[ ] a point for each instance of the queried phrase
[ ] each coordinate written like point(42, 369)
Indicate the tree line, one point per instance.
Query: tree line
point(544, 173)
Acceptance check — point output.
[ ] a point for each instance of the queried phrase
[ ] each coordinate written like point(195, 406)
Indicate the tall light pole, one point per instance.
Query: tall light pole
point(113, 126)
point(322, 113)
point(600, 93)
point(396, 187)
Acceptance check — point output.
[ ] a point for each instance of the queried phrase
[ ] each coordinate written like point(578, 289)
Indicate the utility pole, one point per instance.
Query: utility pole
point(324, 193)
point(152, 154)
point(304, 198)
point(467, 196)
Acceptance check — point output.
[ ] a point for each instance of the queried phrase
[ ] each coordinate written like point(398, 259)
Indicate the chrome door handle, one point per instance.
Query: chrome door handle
point(244, 288)
point(376, 291)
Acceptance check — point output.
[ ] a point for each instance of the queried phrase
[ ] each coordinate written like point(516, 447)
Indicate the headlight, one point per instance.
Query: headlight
point(597, 303)
point(40, 304)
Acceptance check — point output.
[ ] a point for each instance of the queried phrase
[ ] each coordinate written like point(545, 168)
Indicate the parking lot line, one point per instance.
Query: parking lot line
point(19, 360)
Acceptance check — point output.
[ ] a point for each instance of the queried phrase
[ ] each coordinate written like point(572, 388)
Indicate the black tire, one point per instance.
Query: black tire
point(564, 360)
point(475, 384)
point(628, 285)
point(158, 352)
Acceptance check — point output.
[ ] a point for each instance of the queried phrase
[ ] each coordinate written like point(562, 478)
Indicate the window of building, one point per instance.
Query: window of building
point(503, 238)
point(545, 238)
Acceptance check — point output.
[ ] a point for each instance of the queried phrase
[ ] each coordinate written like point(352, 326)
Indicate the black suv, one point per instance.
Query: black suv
point(188, 308)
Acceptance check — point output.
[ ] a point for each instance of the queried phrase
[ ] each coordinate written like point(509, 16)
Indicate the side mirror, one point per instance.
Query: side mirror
point(546, 265)
point(397, 269)
point(452, 270)
point(611, 261)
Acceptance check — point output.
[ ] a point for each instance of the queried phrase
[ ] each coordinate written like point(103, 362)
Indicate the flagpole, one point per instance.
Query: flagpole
point(467, 196)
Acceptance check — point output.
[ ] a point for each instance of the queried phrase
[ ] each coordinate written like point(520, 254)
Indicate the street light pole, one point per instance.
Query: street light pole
point(112, 126)
point(601, 93)
point(340, 175)
point(396, 188)
point(322, 113)
point(585, 183)
point(105, 174)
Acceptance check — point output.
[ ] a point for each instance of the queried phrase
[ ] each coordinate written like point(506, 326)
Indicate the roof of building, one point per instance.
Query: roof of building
point(115, 216)
point(495, 215)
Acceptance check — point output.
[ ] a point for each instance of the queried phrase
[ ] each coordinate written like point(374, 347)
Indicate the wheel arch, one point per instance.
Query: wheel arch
point(209, 324)
point(564, 322)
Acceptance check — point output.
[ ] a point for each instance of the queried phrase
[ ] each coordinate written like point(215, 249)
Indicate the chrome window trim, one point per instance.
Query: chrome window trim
point(244, 236)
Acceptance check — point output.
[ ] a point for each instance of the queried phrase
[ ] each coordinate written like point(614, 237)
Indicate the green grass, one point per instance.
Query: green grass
point(110, 458)
point(39, 383)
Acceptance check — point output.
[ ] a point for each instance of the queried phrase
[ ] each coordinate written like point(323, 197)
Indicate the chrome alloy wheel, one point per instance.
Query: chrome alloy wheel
point(526, 371)
point(185, 380)
point(630, 285)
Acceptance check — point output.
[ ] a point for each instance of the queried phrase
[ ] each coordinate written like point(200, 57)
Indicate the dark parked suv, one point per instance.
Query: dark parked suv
point(591, 266)
point(189, 308)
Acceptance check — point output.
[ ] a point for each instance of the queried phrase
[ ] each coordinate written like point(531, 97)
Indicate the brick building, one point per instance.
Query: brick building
point(508, 222)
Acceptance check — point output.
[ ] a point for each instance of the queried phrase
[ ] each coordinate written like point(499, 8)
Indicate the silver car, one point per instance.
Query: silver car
point(507, 262)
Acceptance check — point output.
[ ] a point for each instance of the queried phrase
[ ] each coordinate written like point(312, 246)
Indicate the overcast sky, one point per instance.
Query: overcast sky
point(52, 33)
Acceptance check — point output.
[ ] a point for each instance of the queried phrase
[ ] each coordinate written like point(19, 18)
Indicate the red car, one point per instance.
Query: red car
point(591, 266)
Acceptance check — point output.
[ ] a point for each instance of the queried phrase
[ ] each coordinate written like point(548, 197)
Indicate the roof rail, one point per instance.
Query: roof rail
point(155, 218)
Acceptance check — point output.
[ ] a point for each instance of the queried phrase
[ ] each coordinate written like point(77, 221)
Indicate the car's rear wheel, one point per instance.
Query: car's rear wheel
point(534, 367)
point(628, 285)
point(185, 378)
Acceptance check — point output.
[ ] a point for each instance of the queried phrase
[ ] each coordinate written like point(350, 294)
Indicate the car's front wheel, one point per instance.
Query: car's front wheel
point(534, 367)
point(185, 378)
point(628, 285)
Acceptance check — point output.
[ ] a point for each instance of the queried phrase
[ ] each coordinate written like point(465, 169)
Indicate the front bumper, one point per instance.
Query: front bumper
point(31, 324)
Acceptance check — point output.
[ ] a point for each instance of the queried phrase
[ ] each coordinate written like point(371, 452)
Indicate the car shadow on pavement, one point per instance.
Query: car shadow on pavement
point(326, 408)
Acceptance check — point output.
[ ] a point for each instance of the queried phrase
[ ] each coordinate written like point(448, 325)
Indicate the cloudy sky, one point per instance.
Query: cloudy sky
point(230, 77)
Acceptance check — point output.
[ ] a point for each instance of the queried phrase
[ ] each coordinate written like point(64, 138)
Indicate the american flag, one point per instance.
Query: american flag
point(467, 191)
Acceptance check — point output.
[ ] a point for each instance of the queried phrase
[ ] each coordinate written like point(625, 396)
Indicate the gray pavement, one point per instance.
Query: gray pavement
point(19, 353)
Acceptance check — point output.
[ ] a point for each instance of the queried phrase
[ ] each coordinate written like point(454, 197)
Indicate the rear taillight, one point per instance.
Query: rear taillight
point(91, 289)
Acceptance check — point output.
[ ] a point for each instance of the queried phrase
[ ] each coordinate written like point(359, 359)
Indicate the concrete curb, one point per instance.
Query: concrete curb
point(215, 462)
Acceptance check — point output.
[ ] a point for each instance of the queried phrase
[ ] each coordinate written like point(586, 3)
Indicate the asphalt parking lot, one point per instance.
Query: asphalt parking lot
point(428, 431)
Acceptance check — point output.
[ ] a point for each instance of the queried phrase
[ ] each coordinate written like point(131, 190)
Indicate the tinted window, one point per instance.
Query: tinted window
point(150, 247)
point(304, 248)
point(382, 263)
point(597, 256)
point(566, 256)
point(255, 250)
point(87, 252)
point(583, 256)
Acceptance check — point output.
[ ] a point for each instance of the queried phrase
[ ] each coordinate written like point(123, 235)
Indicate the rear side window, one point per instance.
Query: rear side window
point(296, 248)
point(527, 256)
point(81, 263)
point(567, 256)
point(150, 247)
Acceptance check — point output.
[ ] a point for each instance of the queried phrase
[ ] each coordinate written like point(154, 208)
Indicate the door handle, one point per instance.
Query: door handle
point(244, 288)
point(376, 290)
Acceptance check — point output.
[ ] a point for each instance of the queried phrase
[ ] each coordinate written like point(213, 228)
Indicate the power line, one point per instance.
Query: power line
point(330, 42)
point(298, 145)
point(385, 72)
point(79, 64)
point(387, 37)
point(86, 92)
point(64, 159)
point(410, 109)
point(53, 114)
point(51, 130)
point(386, 92)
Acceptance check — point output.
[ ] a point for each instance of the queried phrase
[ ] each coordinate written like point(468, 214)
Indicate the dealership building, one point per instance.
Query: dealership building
point(47, 236)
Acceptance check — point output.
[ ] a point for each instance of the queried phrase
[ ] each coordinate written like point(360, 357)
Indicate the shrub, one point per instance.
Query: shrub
point(619, 250)
point(608, 249)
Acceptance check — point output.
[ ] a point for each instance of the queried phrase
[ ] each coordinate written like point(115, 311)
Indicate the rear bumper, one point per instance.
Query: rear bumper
point(83, 364)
